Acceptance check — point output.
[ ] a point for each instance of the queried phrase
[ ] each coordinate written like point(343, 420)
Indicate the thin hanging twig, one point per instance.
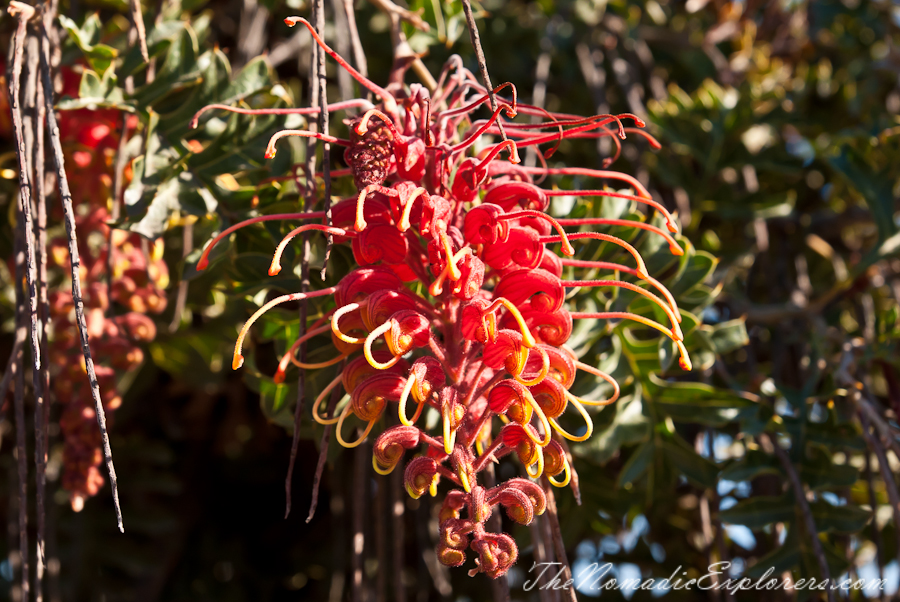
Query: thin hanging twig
point(558, 545)
point(805, 511)
point(482, 63)
point(25, 225)
point(398, 533)
point(360, 505)
point(309, 196)
point(873, 502)
point(138, 17)
point(500, 585)
point(359, 55)
point(187, 247)
point(66, 198)
point(323, 448)
point(890, 485)
point(319, 8)
point(42, 404)
point(540, 558)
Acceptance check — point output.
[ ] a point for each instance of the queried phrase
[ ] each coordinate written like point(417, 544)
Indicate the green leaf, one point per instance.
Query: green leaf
point(876, 189)
point(99, 56)
point(637, 464)
point(757, 512)
point(691, 464)
point(697, 402)
point(729, 336)
point(753, 464)
point(182, 193)
point(838, 519)
point(698, 269)
point(629, 426)
point(783, 558)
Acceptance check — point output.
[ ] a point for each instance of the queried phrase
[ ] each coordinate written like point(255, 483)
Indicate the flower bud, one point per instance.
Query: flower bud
point(420, 475)
point(390, 445)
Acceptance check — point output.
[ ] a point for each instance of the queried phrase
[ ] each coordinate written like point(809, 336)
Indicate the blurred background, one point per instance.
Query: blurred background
point(779, 130)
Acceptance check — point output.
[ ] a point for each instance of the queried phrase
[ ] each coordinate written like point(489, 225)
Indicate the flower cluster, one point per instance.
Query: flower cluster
point(485, 336)
point(139, 279)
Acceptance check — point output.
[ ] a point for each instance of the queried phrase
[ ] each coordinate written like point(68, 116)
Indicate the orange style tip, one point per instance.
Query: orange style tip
point(360, 226)
point(291, 21)
point(685, 364)
point(568, 250)
point(278, 377)
point(237, 362)
point(202, 264)
point(270, 154)
point(673, 227)
point(640, 123)
point(642, 274)
point(677, 251)
point(360, 131)
point(273, 270)
point(194, 123)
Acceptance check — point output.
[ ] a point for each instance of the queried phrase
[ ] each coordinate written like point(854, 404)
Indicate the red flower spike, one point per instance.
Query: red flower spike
point(488, 322)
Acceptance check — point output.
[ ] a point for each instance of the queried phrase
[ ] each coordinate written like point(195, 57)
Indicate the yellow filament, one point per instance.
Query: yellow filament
point(330, 362)
point(378, 469)
point(527, 338)
point(454, 273)
point(587, 421)
point(540, 465)
point(337, 429)
point(367, 348)
point(404, 224)
point(432, 489)
point(463, 478)
point(363, 126)
point(568, 478)
point(685, 360)
point(360, 224)
point(238, 359)
point(322, 395)
point(335, 320)
point(437, 287)
point(595, 372)
point(401, 408)
point(282, 365)
point(275, 266)
point(545, 369)
point(449, 434)
point(542, 418)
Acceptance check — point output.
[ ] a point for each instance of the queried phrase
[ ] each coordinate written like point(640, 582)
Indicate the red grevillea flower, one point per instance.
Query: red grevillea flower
point(486, 337)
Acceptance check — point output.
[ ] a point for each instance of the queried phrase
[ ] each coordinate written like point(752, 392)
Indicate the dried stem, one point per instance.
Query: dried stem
point(18, 372)
point(66, 198)
point(482, 63)
point(805, 511)
point(42, 402)
point(137, 16)
point(187, 247)
point(558, 545)
point(116, 207)
point(873, 502)
point(538, 97)
point(319, 8)
point(397, 511)
point(540, 557)
point(500, 585)
point(890, 484)
point(360, 504)
point(323, 449)
point(25, 225)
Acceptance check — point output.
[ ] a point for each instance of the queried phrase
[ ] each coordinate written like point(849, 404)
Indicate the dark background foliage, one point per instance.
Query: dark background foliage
point(779, 129)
